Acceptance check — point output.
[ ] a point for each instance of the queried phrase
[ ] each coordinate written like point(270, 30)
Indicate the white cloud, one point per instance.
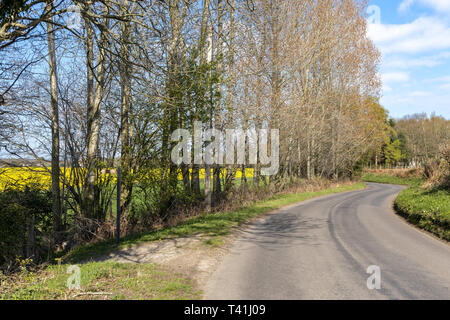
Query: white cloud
point(445, 86)
point(438, 79)
point(425, 34)
point(440, 83)
point(441, 6)
point(395, 77)
point(401, 103)
point(405, 5)
point(416, 60)
point(406, 63)
point(386, 88)
point(420, 94)
point(438, 5)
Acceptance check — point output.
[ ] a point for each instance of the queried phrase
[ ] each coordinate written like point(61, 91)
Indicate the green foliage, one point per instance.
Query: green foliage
point(17, 209)
point(395, 149)
point(393, 153)
point(380, 129)
point(403, 145)
point(192, 94)
point(391, 122)
point(428, 209)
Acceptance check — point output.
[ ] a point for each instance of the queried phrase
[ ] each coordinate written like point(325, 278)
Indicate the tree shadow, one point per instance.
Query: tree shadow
point(284, 229)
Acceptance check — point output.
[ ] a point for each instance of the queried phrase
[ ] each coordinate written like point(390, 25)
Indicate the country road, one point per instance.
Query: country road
point(321, 249)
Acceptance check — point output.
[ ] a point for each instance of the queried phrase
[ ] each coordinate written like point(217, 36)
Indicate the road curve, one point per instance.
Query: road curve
point(321, 249)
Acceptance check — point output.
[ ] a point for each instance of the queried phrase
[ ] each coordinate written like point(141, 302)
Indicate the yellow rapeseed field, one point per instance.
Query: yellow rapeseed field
point(38, 177)
point(18, 178)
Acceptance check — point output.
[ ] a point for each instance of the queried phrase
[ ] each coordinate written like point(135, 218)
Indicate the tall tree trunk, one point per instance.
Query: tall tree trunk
point(125, 85)
point(217, 119)
point(204, 54)
point(94, 100)
point(56, 193)
point(230, 169)
point(88, 205)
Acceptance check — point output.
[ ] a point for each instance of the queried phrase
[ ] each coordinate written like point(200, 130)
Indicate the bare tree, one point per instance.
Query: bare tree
point(55, 170)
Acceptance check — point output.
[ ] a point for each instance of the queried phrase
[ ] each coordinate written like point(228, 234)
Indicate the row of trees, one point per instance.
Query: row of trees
point(414, 141)
point(424, 137)
point(94, 85)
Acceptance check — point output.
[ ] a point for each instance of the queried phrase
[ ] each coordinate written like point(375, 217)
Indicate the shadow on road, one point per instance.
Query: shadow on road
point(284, 229)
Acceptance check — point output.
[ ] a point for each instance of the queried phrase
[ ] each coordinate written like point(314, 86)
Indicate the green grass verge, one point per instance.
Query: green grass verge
point(428, 209)
point(100, 280)
point(386, 178)
point(213, 225)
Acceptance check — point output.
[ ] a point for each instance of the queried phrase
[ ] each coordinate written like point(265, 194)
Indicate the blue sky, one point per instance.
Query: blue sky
point(414, 39)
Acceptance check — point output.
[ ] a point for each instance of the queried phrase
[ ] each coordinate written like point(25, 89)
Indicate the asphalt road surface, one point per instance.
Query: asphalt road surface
point(321, 249)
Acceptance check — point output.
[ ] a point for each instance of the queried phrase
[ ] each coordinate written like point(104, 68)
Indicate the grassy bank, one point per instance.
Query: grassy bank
point(110, 280)
point(427, 208)
point(99, 281)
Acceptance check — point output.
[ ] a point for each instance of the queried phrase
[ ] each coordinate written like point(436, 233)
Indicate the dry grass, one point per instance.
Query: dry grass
point(437, 171)
point(99, 281)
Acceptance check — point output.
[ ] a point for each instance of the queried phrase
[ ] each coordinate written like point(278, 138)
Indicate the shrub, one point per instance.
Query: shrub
point(437, 171)
point(25, 223)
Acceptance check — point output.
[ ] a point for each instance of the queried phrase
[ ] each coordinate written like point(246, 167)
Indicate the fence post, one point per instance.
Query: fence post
point(119, 187)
